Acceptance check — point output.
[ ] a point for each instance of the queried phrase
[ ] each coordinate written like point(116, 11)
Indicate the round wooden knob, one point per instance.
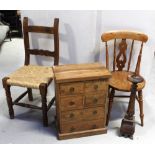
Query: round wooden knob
point(71, 115)
point(71, 89)
point(94, 112)
point(95, 100)
point(72, 129)
point(95, 87)
point(71, 103)
point(94, 126)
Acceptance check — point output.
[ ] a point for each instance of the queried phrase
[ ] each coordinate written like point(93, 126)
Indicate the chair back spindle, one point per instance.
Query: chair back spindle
point(120, 56)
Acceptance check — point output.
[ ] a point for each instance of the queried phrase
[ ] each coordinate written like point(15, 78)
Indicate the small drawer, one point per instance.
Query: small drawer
point(71, 88)
point(94, 113)
point(71, 103)
point(71, 116)
point(93, 100)
point(93, 86)
point(81, 126)
point(85, 114)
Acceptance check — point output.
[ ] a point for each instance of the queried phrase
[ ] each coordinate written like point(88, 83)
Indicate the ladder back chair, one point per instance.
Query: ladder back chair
point(33, 76)
point(122, 44)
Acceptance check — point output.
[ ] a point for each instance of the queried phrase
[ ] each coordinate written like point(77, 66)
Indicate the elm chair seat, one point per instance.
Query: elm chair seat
point(31, 76)
point(119, 81)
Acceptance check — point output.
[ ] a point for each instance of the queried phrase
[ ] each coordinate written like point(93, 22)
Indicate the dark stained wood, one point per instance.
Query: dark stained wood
point(8, 97)
point(41, 52)
point(41, 29)
point(111, 97)
point(30, 95)
point(51, 103)
point(20, 97)
point(128, 123)
point(121, 65)
point(43, 93)
point(121, 57)
point(27, 105)
point(28, 51)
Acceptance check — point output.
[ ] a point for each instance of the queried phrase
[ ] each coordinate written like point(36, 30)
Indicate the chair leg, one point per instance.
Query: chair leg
point(30, 96)
point(140, 97)
point(8, 97)
point(111, 96)
point(43, 92)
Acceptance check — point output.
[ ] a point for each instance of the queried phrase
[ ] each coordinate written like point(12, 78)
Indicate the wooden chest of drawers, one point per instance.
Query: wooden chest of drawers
point(81, 99)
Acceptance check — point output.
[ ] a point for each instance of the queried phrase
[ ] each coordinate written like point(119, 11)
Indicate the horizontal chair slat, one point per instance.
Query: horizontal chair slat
point(27, 105)
point(41, 52)
point(41, 29)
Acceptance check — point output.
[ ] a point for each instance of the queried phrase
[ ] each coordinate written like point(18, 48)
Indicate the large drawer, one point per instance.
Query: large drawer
point(93, 100)
point(83, 115)
point(93, 86)
point(80, 126)
point(71, 103)
point(71, 88)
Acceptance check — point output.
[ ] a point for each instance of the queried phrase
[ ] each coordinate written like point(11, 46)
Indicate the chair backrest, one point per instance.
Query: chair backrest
point(120, 50)
point(41, 29)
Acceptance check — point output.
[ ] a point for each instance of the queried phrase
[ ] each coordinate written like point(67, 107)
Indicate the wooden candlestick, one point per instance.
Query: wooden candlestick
point(128, 123)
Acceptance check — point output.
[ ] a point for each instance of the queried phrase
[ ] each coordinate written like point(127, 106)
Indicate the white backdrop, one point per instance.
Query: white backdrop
point(80, 33)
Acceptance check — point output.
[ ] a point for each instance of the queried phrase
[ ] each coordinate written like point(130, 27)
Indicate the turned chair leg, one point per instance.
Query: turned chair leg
point(30, 96)
point(111, 96)
point(43, 92)
point(140, 97)
point(8, 97)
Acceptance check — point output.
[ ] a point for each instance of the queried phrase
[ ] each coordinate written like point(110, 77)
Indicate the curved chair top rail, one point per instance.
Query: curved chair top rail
point(124, 34)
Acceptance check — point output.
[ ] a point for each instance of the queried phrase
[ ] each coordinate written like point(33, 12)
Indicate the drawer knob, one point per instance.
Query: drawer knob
point(71, 115)
point(95, 100)
point(71, 103)
point(71, 89)
point(94, 126)
point(72, 129)
point(94, 112)
point(95, 87)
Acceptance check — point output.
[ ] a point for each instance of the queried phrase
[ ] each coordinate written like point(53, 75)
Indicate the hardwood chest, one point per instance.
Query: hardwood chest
point(81, 99)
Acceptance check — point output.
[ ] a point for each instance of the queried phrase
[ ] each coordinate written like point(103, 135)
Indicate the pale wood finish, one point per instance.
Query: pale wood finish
point(119, 34)
point(122, 63)
point(81, 102)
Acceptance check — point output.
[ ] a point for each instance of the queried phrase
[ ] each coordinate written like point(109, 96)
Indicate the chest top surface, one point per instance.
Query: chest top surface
point(76, 72)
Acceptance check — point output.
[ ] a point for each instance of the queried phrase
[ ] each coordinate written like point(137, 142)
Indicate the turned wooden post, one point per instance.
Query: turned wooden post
point(8, 97)
point(128, 123)
point(43, 93)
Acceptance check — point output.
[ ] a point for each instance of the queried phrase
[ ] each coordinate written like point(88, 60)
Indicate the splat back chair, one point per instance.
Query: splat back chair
point(122, 62)
point(33, 76)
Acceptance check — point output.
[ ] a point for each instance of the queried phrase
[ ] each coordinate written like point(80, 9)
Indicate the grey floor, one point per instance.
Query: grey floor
point(27, 125)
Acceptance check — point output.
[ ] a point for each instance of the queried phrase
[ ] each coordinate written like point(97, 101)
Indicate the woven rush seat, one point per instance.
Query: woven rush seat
point(119, 81)
point(31, 76)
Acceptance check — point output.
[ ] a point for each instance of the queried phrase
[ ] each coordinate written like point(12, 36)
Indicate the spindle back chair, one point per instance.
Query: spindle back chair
point(121, 68)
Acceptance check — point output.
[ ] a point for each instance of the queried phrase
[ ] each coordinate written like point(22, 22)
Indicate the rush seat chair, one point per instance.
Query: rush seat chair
point(33, 76)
